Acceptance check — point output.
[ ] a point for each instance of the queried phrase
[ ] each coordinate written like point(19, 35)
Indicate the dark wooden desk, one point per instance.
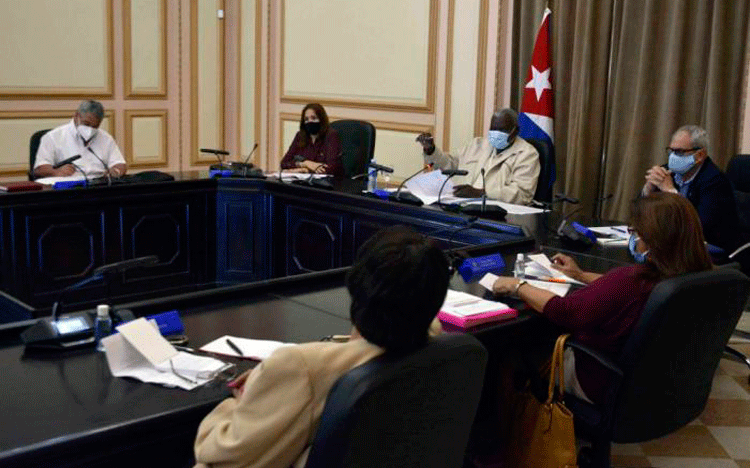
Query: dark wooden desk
point(69, 411)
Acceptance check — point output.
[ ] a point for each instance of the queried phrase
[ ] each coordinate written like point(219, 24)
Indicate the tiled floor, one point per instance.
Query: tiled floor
point(719, 438)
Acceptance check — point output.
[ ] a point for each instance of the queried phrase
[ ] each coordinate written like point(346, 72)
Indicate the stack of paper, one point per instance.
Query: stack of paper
point(139, 351)
point(612, 235)
point(541, 267)
point(465, 310)
point(250, 349)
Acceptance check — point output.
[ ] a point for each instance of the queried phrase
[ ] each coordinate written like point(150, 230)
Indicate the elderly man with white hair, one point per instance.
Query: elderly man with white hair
point(99, 154)
point(691, 173)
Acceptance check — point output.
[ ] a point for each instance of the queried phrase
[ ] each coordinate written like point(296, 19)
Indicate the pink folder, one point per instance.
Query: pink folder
point(477, 319)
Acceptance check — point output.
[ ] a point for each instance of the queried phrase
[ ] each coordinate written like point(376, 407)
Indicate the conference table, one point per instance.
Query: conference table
point(248, 257)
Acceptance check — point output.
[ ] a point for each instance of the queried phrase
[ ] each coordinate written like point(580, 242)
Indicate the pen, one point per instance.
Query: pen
point(234, 347)
point(619, 230)
point(547, 279)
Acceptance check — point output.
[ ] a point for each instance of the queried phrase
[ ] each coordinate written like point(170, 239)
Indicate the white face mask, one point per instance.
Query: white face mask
point(86, 132)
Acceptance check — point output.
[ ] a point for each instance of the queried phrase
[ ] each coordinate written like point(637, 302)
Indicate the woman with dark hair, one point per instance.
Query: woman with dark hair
point(666, 240)
point(397, 285)
point(316, 147)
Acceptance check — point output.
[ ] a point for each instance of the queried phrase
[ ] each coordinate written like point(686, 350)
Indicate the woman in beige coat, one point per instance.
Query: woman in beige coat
point(397, 286)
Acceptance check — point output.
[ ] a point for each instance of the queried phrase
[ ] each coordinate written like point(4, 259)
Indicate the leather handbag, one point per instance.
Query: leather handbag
point(542, 432)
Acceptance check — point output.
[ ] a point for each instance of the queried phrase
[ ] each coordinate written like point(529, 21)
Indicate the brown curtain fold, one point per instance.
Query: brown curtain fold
point(627, 73)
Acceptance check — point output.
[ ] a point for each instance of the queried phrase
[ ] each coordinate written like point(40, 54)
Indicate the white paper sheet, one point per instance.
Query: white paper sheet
point(53, 180)
point(253, 349)
point(618, 235)
point(464, 305)
point(129, 354)
point(295, 175)
point(558, 289)
point(427, 185)
point(546, 267)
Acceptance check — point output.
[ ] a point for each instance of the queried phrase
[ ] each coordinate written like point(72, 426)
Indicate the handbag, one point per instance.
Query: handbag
point(542, 432)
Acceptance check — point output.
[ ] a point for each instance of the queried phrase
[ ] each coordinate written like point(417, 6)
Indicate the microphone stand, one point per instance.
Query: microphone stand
point(85, 177)
point(408, 198)
point(106, 168)
point(482, 210)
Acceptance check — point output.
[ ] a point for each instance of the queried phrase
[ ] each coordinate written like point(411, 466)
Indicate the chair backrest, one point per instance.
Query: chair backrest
point(414, 410)
point(36, 137)
point(738, 171)
point(671, 356)
point(357, 144)
point(547, 171)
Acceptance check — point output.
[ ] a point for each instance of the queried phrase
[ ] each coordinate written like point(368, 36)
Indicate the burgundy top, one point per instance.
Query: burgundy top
point(601, 316)
point(326, 150)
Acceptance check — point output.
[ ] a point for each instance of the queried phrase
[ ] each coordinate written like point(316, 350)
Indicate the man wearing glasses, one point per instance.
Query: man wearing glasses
point(692, 174)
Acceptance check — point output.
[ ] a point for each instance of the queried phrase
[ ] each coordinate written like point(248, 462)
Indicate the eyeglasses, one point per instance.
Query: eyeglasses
point(682, 151)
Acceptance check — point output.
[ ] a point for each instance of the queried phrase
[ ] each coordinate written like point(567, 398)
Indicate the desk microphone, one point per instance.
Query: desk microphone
point(216, 153)
point(407, 197)
point(492, 211)
point(450, 173)
point(106, 168)
point(245, 165)
point(381, 168)
point(66, 161)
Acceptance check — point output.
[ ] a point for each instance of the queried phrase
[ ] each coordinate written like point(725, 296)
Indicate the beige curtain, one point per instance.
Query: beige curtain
point(626, 74)
point(673, 63)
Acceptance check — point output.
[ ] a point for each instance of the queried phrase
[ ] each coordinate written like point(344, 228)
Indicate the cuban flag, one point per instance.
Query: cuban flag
point(537, 107)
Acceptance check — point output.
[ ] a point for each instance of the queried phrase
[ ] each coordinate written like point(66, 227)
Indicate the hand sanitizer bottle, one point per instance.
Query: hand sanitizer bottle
point(102, 325)
point(519, 270)
point(372, 178)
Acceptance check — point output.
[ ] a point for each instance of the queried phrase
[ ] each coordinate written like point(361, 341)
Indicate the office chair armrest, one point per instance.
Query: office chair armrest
point(599, 357)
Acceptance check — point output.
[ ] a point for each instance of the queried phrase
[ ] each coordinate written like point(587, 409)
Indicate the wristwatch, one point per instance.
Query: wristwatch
point(520, 283)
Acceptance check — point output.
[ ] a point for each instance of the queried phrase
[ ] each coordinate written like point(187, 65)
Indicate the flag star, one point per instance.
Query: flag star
point(539, 82)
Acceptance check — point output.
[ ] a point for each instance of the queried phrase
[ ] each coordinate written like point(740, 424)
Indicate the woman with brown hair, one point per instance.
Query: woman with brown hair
point(316, 147)
point(666, 240)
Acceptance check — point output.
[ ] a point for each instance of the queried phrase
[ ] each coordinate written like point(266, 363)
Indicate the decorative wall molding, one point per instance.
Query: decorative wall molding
point(131, 115)
point(130, 92)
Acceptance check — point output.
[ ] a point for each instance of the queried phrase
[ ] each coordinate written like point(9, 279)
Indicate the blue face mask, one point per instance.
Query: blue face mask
point(498, 139)
point(639, 257)
point(680, 164)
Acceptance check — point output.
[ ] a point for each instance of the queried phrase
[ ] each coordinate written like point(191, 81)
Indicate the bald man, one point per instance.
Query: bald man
point(510, 163)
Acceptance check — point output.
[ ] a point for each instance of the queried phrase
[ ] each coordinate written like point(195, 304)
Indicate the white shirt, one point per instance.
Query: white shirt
point(63, 142)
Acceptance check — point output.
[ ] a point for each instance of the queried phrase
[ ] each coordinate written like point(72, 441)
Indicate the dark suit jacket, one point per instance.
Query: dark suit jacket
point(711, 194)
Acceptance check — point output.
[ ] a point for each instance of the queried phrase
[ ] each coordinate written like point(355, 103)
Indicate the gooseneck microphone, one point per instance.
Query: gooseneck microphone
point(106, 167)
point(216, 153)
point(381, 168)
point(450, 173)
point(492, 211)
point(407, 197)
point(66, 161)
point(245, 165)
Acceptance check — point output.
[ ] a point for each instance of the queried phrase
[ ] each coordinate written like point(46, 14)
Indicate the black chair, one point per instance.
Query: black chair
point(738, 171)
point(662, 378)
point(357, 145)
point(409, 411)
point(33, 148)
point(547, 171)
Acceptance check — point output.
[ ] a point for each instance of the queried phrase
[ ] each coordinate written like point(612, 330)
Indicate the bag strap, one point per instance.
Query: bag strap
point(557, 368)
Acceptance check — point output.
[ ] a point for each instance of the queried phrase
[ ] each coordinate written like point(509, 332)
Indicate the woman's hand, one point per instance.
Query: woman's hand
point(313, 167)
point(567, 265)
point(505, 286)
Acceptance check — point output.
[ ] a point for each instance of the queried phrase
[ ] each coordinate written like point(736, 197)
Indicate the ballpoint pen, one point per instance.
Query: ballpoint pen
point(548, 279)
point(234, 347)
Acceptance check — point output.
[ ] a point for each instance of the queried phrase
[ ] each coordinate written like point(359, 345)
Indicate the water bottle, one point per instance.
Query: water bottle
point(519, 270)
point(372, 178)
point(102, 325)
